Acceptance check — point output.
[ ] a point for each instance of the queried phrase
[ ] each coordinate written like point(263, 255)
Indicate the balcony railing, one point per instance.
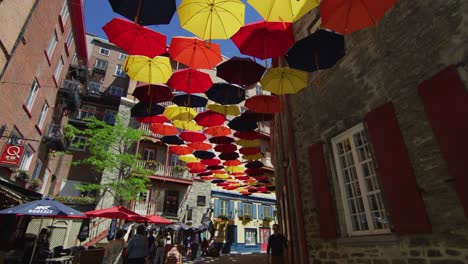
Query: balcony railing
point(170, 172)
point(55, 137)
point(146, 127)
point(108, 117)
point(69, 94)
point(143, 207)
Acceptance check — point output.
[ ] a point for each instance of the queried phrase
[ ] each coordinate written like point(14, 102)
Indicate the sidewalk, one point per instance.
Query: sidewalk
point(255, 258)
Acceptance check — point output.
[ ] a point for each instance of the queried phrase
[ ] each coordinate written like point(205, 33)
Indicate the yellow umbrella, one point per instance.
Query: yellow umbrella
point(283, 10)
point(224, 109)
point(252, 157)
point(174, 112)
point(232, 169)
point(189, 158)
point(149, 70)
point(248, 143)
point(221, 176)
point(211, 19)
point(284, 80)
point(187, 125)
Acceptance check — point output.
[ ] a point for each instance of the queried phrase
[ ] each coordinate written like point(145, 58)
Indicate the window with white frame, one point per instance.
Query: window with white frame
point(250, 237)
point(119, 71)
point(267, 211)
point(37, 169)
point(360, 191)
point(109, 117)
point(26, 159)
point(122, 56)
point(115, 91)
point(69, 38)
point(79, 143)
point(223, 207)
point(94, 87)
point(32, 95)
point(104, 51)
point(52, 43)
point(43, 115)
point(64, 13)
point(101, 64)
point(149, 154)
point(247, 209)
point(58, 69)
point(258, 90)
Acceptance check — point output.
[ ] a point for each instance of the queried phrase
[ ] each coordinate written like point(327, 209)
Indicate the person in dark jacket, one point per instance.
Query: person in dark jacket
point(277, 243)
point(137, 248)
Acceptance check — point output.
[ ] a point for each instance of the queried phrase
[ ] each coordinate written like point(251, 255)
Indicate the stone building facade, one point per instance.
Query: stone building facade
point(368, 158)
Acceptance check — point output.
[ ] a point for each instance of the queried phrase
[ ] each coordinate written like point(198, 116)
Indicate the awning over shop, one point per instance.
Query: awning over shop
point(12, 194)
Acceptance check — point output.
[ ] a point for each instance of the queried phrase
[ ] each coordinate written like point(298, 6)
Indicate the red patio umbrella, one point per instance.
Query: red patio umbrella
point(211, 162)
point(209, 119)
point(164, 129)
point(248, 135)
point(119, 212)
point(250, 151)
point(181, 150)
point(190, 81)
point(218, 131)
point(200, 146)
point(158, 220)
point(195, 53)
point(152, 119)
point(264, 40)
point(266, 104)
point(193, 136)
point(225, 148)
point(241, 71)
point(135, 39)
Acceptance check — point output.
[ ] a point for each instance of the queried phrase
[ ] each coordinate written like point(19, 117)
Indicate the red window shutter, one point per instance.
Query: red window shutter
point(321, 189)
point(404, 203)
point(446, 102)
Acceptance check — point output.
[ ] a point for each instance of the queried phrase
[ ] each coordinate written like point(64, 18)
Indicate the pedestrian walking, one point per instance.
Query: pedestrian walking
point(137, 248)
point(159, 243)
point(277, 244)
point(151, 246)
point(194, 247)
point(113, 249)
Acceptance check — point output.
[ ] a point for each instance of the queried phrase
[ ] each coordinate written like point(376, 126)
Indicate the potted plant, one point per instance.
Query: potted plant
point(245, 218)
point(23, 175)
point(267, 219)
point(223, 217)
point(180, 168)
point(35, 184)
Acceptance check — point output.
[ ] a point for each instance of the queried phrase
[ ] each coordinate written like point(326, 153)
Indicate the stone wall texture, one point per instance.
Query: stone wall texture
point(415, 40)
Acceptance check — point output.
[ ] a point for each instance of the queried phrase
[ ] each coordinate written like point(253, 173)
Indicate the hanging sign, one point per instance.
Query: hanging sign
point(11, 155)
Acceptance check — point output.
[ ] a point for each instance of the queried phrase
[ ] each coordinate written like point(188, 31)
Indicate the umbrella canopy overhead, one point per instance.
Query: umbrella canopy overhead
point(189, 158)
point(221, 140)
point(254, 164)
point(250, 116)
point(200, 145)
point(196, 166)
point(248, 143)
point(225, 148)
point(152, 93)
point(149, 70)
point(218, 131)
point(192, 136)
point(267, 104)
point(119, 212)
point(225, 93)
point(284, 80)
point(172, 140)
point(180, 150)
point(195, 53)
point(241, 71)
point(232, 110)
point(164, 129)
point(173, 112)
point(145, 12)
point(283, 10)
point(214, 19)
point(210, 118)
point(250, 135)
point(232, 163)
point(189, 100)
point(211, 162)
point(242, 125)
point(152, 119)
point(250, 150)
point(318, 51)
point(229, 156)
point(143, 109)
point(215, 167)
point(204, 154)
point(135, 39)
point(46, 207)
point(190, 81)
point(187, 125)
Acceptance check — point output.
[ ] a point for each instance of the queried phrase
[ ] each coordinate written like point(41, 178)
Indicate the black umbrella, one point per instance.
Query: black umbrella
point(189, 100)
point(242, 125)
point(145, 12)
point(318, 51)
point(202, 154)
point(143, 109)
point(241, 71)
point(206, 173)
point(229, 156)
point(152, 93)
point(256, 117)
point(215, 167)
point(225, 93)
point(221, 140)
point(254, 164)
point(217, 181)
point(172, 140)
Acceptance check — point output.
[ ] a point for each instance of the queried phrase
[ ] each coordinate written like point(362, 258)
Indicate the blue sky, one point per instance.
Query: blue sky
point(99, 12)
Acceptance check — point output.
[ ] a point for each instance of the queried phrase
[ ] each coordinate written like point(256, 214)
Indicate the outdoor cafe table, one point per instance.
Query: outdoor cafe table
point(64, 259)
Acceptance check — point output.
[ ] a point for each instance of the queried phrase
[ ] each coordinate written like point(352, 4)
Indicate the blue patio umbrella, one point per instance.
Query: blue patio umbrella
point(202, 154)
point(189, 100)
point(226, 94)
point(172, 140)
point(143, 109)
point(242, 125)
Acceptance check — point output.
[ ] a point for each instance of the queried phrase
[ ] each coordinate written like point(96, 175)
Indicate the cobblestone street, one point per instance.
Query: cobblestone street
point(234, 258)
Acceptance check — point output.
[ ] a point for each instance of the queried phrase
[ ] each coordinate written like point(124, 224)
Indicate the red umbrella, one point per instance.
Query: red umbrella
point(135, 39)
point(248, 135)
point(158, 220)
point(181, 150)
point(218, 171)
point(242, 178)
point(348, 16)
point(238, 174)
point(266, 104)
point(211, 162)
point(226, 148)
point(241, 71)
point(195, 53)
point(164, 129)
point(223, 184)
point(209, 119)
point(264, 40)
point(190, 81)
point(205, 173)
point(152, 119)
point(196, 166)
point(232, 163)
point(207, 178)
point(192, 136)
point(218, 131)
point(152, 93)
point(200, 146)
point(196, 170)
point(119, 212)
point(253, 172)
point(250, 151)
point(221, 140)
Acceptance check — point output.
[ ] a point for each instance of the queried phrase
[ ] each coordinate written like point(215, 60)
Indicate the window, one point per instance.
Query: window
point(267, 211)
point(52, 43)
point(223, 207)
point(104, 51)
point(250, 237)
point(37, 169)
point(87, 111)
point(361, 196)
point(101, 64)
point(175, 160)
point(26, 159)
point(109, 117)
point(64, 13)
point(247, 209)
point(189, 214)
point(171, 202)
point(258, 90)
point(69, 38)
point(94, 87)
point(115, 91)
point(32, 95)
point(43, 115)
point(79, 143)
point(143, 196)
point(122, 56)
point(119, 71)
point(148, 154)
point(201, 200)
point(58, 69)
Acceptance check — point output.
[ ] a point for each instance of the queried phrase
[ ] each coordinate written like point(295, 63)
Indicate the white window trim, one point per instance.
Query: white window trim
point(25, 162)
point(121, 71)
point(52, 44)
point(37, 169)
point(254, 236)
point(348, 134)
point(223, 210)
point(122, 56)
point(102, 68)
point(149, 151)
point(69, 38)
point(244, 205)
point(58, 69)
point(45, 180)
point(43, 115)
point(31, 98)
point(65, 13)
point(80, 138)
point(102, 48)
point(266, 208)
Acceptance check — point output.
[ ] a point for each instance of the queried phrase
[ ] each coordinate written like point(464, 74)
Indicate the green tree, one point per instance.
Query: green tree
point(112, 148)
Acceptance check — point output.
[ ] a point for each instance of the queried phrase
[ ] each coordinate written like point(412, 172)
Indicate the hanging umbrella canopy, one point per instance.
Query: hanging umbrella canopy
point(248, 143)
point(264, 40)
point(200, 145)
point(348, 16)
point(164, 129)
point(119, 212)
point(218, 131)
point(253, 171)
point(145, 12)
point(266, 104)
point(283, 10)
point(215, 167)
point(242, 178)
point(172, 140)
point(180, 150)
point(187, 125)
point(225, 148)
point(210, 118)
point(242, 125)
point(195, 53)
point(207, 177)
point(252, 157)
point(250, 135)
point(225, 93)
point(192, 136)
point(135, 39)
point(217, 181)
point(233, 110)
point(158, 220)
point(206, 173)
point(232, 169)
point(250, 150)
point(284, 80)
point(318, 51)
point(221, 140)
point(174, 112)
point(222, 176)
point(254, 164)
point(232, 163)
point(189, 158)
point(189, 100)
point(196, 171)
point(204, 154)
point(143, 109)
point(211, 162)
point(196, 166)
point(190, 81)
point(214, 19)
point(149, 70)
point(152, 93)
point(241, 71)
point(46, 207)
point(250, 116)
point(152, 119)
point(229, 156)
